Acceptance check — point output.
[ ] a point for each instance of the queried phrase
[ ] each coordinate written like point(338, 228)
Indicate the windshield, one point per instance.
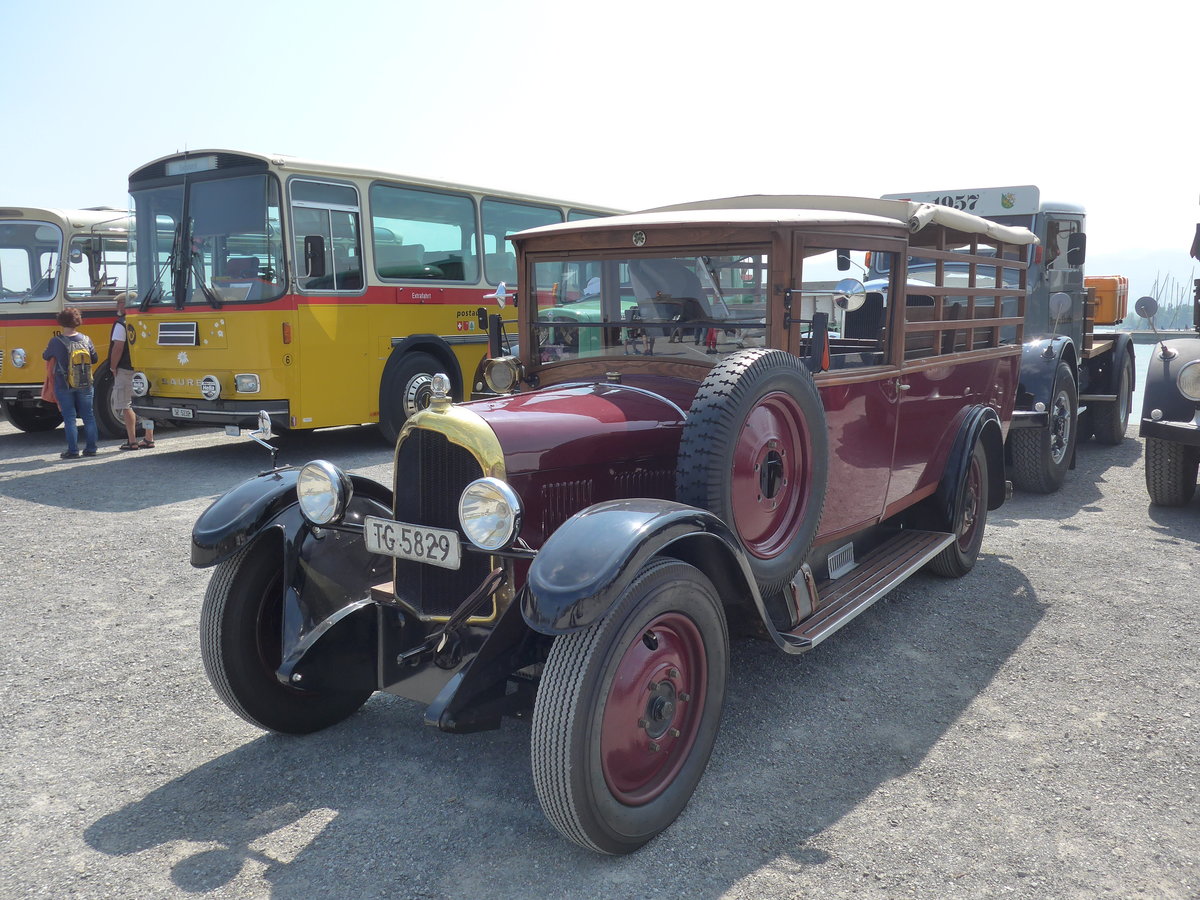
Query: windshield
point(29, 256)
point(682, 306)
point(209, 242)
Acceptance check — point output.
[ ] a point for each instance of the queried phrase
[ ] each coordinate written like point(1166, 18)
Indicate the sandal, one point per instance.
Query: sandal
point(145, 444)
point(129, 446)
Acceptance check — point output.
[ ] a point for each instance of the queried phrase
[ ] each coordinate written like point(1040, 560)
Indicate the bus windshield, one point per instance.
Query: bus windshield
point(211, 242)
point(29, 255)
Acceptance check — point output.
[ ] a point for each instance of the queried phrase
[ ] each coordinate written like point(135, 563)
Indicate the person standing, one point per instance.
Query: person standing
point(75, 401)
point(122, 371)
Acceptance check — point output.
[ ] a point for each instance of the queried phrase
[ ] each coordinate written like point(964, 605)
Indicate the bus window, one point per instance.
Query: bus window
point(330, 212)
point(501, 218)
point(97, 266)
point(423, 234)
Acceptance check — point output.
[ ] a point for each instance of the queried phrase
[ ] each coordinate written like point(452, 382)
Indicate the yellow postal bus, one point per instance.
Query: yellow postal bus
point(323, 294)
point(49, 259)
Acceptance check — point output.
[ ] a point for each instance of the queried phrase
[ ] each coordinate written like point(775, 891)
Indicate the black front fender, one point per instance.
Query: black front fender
point(239, 515)
point(582, 569)
point(1039, 366)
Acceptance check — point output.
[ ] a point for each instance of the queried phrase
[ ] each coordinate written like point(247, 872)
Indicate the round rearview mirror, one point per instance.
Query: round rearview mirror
point(264, 425)
point(849, 294)
point(76, 255)
point(1146, 307)
point(1060, 304)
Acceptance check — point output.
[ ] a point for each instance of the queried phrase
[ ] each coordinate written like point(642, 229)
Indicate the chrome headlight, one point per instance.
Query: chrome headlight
point(18, 357)
point(490, 513)
point(502, 373)
point(324, 491)
point(210, 387)
point(141, 384)
point(1189, 381)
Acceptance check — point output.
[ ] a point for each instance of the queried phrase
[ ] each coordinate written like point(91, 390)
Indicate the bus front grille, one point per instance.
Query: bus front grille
point(431, 473)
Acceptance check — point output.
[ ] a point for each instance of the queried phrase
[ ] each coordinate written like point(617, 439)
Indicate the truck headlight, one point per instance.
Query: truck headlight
point(502, 373)
point(490, 513)
point(18, 357)
point(1189, 381)
point(324, 492)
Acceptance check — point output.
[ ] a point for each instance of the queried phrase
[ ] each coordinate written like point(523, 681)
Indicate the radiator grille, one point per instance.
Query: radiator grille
point(431, 473)
point(1, 362)
point(177, 334)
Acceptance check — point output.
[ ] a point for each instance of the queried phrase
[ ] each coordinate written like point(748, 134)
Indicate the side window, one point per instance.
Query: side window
point(420, 234)
point(327, 243)
point(856, 337)
point(97, 266)
point(501, 218)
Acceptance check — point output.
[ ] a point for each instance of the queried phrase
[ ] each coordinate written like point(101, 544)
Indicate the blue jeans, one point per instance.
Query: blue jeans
point(77, 402)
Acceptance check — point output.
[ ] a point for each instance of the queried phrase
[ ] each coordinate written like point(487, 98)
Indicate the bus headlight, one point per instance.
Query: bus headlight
point(18, 357)
point(324, 492)
point(141, 384)
point(1189, 381)
point(246, 384)
point(210, 387)
point(490, 513)
point(502, 373)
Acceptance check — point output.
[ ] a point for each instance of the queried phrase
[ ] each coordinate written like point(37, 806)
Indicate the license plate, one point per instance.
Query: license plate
point(182, 412)
point(435, 546)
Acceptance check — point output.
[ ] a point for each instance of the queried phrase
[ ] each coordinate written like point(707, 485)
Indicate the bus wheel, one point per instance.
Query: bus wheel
point(241, 623)
point(627, 711)
point(1041, 456)
point(405, 389)
point(110, 421)
point(41, 417)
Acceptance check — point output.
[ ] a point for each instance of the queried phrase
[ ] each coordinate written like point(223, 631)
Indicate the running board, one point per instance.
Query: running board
point(876, 573)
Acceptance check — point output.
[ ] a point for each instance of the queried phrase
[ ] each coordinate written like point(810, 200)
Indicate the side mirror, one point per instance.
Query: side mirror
point(1146, 307)
point(849, 294)
point(76, 255)
point(843, 260)
point(314, 256)
point(482, 315)
point(1060, 304)
point(1076, 250)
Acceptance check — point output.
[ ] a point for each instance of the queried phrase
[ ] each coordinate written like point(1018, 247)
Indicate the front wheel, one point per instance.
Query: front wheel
point(970, 517)
point(1042, 456)
point(241, 640)
point(1109, 420)
point(110, 421)
point(627, 711)
point(1171, 472)
point(41, 417)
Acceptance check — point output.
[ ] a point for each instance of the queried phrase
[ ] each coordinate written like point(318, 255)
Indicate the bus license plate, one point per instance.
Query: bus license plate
point(435, 546)
point(181, 412)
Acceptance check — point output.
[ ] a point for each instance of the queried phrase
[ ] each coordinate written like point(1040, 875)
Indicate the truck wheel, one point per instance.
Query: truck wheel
point(42, 417)
point(1109, 420)
point(1041, 456)
point(1171, 472)
point(970, 517)
point(754, 451)
point(241, 644)
point(109, 421)
point(627, 711)
point(406, 388)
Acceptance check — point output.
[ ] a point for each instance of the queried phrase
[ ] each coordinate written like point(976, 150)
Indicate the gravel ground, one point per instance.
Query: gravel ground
point(1027, 731)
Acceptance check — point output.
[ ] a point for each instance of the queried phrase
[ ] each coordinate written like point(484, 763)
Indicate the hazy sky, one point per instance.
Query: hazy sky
point(630, 104)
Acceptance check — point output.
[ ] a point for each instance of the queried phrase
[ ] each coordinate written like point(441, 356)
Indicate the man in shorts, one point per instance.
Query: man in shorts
point(122, 371)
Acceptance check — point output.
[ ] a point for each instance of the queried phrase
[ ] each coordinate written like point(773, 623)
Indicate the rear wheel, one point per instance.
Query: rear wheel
point(406, 389)
point(627, 711)
point(970, 518)
point(1109, 420)
point(1042, 456)
point(1171, 472)
point(40, 417)
point(241, 643)
point(110, 421)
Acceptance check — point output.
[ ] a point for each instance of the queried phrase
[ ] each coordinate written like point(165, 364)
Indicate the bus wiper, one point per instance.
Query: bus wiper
point(26, 296)
point(198, 271)
point(154, 293)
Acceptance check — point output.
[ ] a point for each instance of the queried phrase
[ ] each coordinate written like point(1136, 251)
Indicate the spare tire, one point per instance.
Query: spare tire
point(755, 451)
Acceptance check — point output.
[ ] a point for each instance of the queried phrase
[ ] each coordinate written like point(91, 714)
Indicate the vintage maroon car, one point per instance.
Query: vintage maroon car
point(705, 429)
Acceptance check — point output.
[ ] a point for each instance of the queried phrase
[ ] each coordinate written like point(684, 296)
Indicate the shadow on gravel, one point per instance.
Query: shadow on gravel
point(380, 805)
point(175, 470)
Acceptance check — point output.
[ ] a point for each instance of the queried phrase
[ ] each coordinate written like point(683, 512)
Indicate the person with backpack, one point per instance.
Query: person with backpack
point(122, 372)
point(74, 355)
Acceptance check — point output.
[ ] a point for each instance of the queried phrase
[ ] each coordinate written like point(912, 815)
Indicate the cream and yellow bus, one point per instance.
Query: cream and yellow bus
point(323, 294)
point(49, 259)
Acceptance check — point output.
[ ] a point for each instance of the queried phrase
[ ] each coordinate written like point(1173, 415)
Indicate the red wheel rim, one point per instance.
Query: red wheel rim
point(654, 708)
point(969, 521)
point(771, 470)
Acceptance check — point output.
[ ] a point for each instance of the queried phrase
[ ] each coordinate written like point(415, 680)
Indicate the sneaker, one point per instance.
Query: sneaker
point(89, 452)
point(67, 454)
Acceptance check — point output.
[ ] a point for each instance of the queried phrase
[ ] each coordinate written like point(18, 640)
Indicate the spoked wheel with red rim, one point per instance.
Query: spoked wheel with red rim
point(970, 517)
point(627, 711)
point(754, 450)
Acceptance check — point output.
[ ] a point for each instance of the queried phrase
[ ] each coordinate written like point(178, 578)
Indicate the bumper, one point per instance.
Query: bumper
point(243, 413)
point(1187, 433)
point(21, 391)
point(1028, 418)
